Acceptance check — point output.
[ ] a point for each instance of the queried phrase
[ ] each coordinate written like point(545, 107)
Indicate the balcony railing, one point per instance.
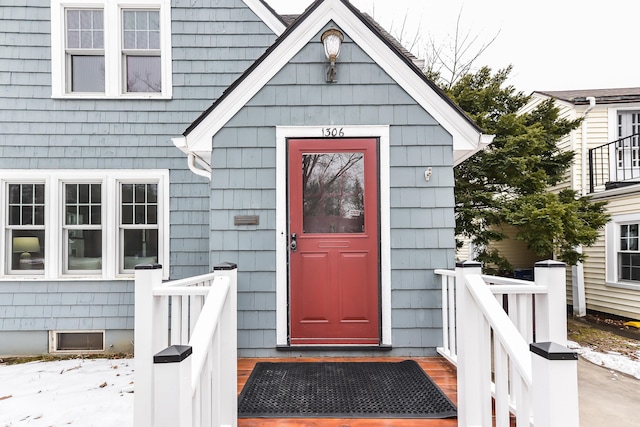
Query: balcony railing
point(615, 164)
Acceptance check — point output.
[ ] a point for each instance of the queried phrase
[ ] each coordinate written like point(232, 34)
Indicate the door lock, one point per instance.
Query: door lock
point(294, 244)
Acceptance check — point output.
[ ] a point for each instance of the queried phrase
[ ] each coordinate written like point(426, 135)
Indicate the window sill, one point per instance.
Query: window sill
point(159, 97)
point(624, 285)
point(66, 279)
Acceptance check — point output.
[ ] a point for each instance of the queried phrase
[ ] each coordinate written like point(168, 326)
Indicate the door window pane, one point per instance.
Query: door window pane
point(333, 192)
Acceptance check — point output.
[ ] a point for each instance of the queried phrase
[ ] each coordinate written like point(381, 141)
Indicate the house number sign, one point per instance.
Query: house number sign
point(332, 132)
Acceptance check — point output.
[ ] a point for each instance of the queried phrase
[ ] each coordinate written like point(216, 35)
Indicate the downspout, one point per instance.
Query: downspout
point(191, 161)
point(585, 148)
point(181, 144)
point(577, 271)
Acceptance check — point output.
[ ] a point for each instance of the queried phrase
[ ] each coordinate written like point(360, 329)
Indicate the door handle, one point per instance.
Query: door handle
point(293, 245)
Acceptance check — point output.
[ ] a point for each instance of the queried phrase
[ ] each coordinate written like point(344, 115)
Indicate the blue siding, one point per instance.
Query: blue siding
point(422, 234)
point(213, 42)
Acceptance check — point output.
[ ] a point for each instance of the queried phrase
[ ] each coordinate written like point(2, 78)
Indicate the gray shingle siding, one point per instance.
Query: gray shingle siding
point(213, 41)
point(422, 225)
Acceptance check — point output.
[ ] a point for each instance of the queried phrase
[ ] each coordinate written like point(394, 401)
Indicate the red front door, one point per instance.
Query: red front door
point(334, 244)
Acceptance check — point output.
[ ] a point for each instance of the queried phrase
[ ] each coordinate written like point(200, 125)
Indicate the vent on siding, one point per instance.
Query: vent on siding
point(76, 341)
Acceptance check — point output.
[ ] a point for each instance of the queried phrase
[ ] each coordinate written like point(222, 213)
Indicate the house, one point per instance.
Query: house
point(607, 168)
point(340, 256)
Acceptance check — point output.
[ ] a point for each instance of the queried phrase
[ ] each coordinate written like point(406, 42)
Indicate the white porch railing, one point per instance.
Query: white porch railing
point(489, 343)
point(185, 362)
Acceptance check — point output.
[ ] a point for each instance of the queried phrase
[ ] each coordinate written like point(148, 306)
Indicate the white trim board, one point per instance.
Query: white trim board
point(466, 137)
point(282, 307)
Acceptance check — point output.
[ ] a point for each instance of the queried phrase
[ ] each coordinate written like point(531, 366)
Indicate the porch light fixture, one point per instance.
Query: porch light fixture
point(332, 39)
point(24, 246)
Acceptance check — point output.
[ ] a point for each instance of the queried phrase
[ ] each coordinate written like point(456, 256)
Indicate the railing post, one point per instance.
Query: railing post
point(551, 310)
point(591, 177)
point(172, 389)
point(469, 345)
point(149, 338)
point(555, 385)
point(229, 340)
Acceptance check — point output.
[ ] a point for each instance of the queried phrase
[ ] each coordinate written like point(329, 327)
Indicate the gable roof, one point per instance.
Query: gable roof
point(467, 136)
point(267, 15)
point(603, 96)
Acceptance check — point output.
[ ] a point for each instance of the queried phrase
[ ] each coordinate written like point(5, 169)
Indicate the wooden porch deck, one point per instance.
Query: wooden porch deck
point(437, 368)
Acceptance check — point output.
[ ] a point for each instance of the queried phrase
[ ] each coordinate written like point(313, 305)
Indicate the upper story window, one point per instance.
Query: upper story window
point(628, 145)
point(85, 50)
point(141, 50)
point(111, 49)
point(83, 224)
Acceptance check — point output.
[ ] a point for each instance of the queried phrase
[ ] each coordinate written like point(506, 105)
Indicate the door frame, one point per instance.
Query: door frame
point(283, 133)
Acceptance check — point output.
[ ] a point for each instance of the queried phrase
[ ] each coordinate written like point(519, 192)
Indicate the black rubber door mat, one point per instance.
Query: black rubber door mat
point(342, 390)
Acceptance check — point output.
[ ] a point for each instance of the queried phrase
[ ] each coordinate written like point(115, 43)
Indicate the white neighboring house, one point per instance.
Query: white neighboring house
point(606, 167)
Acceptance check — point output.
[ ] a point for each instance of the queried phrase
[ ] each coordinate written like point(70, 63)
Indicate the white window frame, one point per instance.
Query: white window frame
point(122, 227)
point(66, 229)
point(54, 247)
point(7, 235)
point(115, 84)
point(612, 242)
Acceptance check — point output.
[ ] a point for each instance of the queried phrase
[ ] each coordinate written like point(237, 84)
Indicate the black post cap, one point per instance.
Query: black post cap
point(147, 266)
point(225, 266)
point(173, 354)
point(553, 351)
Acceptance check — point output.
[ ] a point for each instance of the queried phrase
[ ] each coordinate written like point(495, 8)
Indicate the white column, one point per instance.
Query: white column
point(147, 340)
point(555, 385)
point(577, 288)
point(172, 388)
point(468, 338)
point(551, 310)
point(229, 347)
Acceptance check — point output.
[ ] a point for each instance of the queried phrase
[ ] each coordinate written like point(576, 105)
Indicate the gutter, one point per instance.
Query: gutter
point(191, 161)
point(200, 168)
point(585, 151)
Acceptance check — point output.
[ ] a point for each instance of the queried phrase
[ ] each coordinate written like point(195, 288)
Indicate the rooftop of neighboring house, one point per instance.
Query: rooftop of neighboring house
point(602, 96)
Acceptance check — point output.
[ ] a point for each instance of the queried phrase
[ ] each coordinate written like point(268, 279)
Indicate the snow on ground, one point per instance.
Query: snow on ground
point(614, 361)
point(77, 392)
point(94, 392)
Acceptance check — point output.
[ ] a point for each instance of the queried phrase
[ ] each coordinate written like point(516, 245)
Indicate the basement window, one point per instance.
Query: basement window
point(76, 341)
